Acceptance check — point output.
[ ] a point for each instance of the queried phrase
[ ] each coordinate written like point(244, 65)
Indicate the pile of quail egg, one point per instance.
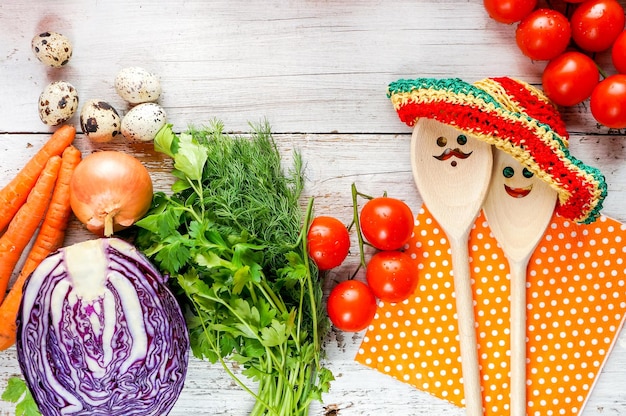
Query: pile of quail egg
point(99, 120)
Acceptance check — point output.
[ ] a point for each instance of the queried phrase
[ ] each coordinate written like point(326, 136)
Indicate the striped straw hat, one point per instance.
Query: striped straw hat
point(516, 118)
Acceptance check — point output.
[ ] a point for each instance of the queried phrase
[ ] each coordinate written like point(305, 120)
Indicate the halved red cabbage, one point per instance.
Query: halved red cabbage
point(99, 333)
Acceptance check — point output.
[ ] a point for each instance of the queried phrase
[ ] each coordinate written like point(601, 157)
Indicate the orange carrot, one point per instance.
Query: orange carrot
point(26, 221)
point(14, 194)
point(50, 238)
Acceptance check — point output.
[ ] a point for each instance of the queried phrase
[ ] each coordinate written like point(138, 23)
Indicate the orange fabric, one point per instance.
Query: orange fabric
point(576, 307)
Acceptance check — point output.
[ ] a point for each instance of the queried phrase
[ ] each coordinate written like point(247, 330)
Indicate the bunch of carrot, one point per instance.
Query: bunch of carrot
point(36, 198)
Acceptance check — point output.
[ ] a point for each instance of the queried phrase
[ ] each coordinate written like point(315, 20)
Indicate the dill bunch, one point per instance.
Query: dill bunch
point(246, 188)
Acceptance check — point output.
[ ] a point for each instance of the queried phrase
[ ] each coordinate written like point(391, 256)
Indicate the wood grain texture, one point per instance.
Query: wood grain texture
point(317, 70)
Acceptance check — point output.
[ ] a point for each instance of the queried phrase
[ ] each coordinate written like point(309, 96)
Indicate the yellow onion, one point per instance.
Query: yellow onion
point(109, 191)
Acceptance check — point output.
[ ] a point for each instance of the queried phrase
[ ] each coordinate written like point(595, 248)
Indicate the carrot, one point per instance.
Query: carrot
point(50, 238)
point(26, 221)
point(14, 194)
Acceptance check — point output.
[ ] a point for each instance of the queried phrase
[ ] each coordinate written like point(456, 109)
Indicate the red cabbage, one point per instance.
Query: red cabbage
point(99, 333)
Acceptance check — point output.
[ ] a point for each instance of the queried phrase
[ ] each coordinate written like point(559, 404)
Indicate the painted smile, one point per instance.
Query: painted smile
point(518, 192)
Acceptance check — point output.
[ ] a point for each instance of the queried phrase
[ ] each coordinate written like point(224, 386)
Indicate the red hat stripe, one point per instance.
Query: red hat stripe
point(537, 107)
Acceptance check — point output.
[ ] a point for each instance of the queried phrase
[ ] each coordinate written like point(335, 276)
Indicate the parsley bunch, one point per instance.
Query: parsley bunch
point(232, 237)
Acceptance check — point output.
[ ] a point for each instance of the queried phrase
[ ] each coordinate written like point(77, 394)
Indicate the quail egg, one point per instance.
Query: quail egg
point(136, 85)
point(143, 122)
point(57, 103)
point(52, 48)
point(100, 121)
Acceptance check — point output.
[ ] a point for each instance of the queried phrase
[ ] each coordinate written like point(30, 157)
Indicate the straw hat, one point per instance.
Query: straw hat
point(516, 118)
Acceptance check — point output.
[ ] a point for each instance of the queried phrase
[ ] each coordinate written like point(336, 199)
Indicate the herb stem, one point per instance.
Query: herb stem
point(233, 376)
point(355, 211)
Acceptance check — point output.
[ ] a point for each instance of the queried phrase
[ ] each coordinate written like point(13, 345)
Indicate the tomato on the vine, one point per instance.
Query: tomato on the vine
point(544, 34)
point(509, 11)
point(351, 306)
point(386, 223)
point(392, 275)
point(608, 102)
point(618, 53)
point(596, 24)
point(328, 242)
point(570, 78)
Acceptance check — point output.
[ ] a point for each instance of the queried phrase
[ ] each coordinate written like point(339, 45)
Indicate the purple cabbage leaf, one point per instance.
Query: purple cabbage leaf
point(100, 333)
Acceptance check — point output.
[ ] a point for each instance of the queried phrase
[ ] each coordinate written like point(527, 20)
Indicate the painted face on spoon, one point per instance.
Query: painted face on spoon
point(449, 166)
point(514, 180)
point(447, 150)
point(453, 148)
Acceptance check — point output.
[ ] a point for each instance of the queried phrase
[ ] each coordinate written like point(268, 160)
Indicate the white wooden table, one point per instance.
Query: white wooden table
point(317, 70)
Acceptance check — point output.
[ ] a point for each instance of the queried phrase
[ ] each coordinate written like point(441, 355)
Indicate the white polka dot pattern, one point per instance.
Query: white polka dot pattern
point(576, 307)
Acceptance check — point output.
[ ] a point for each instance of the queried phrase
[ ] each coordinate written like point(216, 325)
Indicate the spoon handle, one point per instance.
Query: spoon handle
point(467, 325)
point(518, 337)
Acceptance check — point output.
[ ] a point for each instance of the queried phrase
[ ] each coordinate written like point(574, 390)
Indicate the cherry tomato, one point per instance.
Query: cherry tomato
point(570, 78)
point(573, 1)
point(351, 306)
point(544, 34)
point(328, 242)
point(618, 53)
point(608, 102)
point(509, 11)
point(596, 24)
point(386, 223)
point(392, 276)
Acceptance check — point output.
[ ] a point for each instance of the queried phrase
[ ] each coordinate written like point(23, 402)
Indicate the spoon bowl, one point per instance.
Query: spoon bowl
point(452, 172)
point(518, 208)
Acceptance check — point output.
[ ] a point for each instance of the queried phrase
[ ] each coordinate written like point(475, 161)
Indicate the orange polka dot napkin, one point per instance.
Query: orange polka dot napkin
point(576, 285)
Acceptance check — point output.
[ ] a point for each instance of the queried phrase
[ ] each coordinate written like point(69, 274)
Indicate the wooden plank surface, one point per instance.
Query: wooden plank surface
point(317, 70)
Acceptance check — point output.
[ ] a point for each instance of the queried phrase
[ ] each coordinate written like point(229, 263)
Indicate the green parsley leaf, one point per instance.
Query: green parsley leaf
point(166, 141)
point(17, 392)
point(275, 335)
point(190, 158)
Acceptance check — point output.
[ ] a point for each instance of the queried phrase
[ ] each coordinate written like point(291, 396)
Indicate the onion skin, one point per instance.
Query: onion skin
point(109, 191)
point(99, 333)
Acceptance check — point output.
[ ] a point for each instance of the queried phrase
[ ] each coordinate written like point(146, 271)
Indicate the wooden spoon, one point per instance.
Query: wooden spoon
point(452, 173)
point(518, 208)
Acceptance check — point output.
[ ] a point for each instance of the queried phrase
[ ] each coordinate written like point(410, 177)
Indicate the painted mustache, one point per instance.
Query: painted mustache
point(448, 153)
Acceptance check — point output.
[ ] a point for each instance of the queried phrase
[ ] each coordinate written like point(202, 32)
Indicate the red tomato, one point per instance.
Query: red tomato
point(608, 102)
point(570, 78)
point(618, 53)
point(596, 24)
point(351, 306)
point(328, 242)
point(509, 11)
point(386, 223)
point(392, 276)
point(542, 35)
point(573, 1)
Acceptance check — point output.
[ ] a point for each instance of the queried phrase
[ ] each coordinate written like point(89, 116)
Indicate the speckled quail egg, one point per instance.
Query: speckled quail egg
point(143, 122)
point(137, 85)
point(52, 48)
point(100, 121)
point(57, 103)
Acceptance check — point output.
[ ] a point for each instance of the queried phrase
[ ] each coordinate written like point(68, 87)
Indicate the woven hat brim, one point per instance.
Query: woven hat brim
point(581, 188)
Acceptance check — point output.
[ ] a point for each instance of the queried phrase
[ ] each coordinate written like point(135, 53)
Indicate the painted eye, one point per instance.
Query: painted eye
point(508, 172)
point(442, 141)
point(461, 139)
point(527, 174)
